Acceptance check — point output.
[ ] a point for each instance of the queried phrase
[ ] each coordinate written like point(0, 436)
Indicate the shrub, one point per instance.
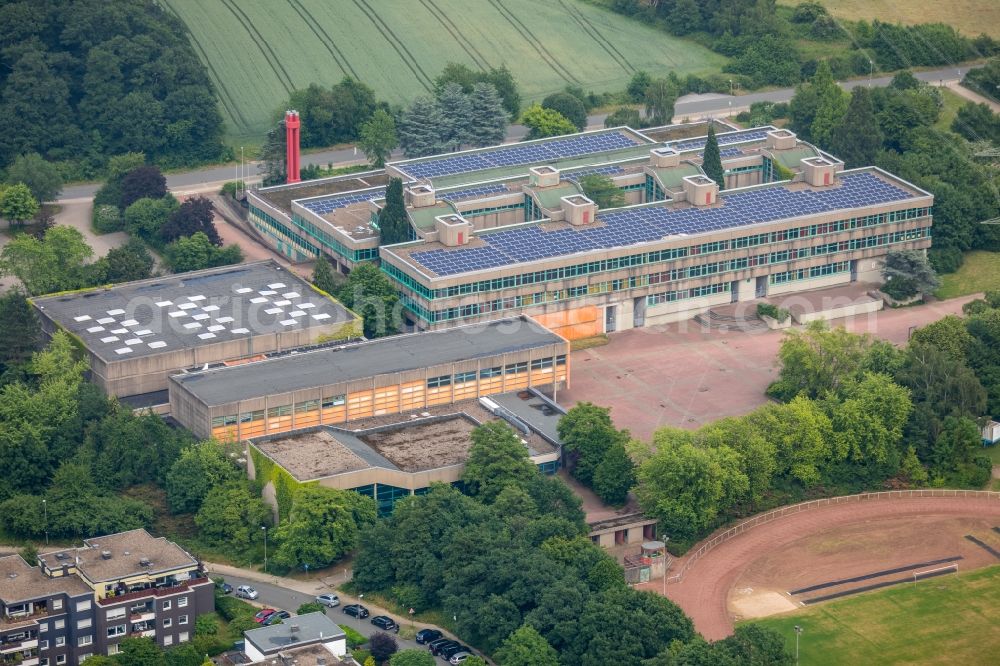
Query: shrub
point(310, 607)
point(107, 218)
point(975, 307)
point(231, 608)
point(354, 638)
point(900, 288)
point(780, 315)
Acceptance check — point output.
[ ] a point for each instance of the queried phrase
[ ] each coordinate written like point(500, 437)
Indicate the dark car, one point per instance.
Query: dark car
point(356, 610)
point(225, 588)
point(276, 617)
point(450, 650)
point(438, 646)
point(383, 622)
point(425, 636)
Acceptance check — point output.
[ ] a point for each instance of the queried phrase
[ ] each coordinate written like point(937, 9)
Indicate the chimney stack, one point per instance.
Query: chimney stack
point(292, 125)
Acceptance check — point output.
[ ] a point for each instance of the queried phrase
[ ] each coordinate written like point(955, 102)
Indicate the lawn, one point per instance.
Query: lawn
point(947, 620)
point(971, 17)
point(952, 103)
point(980, 272)
point(257, 50)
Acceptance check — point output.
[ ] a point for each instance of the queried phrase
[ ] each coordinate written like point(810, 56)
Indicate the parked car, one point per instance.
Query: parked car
point(328, 600)
point(451, 650)
point(383, 622)
point(356, 610)
point(459, 657)
point(276, 617)
point(246, 592)
point(425, 636)
point(263, 614)
point(223, 587)
point(437, 647)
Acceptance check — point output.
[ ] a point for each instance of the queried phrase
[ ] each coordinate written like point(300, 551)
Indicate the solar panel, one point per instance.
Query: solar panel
point(518, 155)
point(604, 170)
point(331, 203)
point(475, 192)
point(727, 138)
point(631, 226)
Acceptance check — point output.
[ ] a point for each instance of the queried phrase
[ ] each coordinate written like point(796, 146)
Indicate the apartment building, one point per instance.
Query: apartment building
point(78, 602)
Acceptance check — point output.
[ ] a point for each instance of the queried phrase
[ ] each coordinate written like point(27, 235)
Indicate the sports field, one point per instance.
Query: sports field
point(947, 620)
point(970, 17)
point(257, 51)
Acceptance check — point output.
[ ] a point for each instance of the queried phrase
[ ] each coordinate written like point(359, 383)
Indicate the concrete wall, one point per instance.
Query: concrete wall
point(836, 313)
point(808, 284)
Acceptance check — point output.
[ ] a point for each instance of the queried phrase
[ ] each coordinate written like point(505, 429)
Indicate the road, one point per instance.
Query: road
point(273, 596)
point(689, 106)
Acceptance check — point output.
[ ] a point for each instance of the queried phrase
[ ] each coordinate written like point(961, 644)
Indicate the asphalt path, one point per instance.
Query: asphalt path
point(281, 598)
point(689, 106)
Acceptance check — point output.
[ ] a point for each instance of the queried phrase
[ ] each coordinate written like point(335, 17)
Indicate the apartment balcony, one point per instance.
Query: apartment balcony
point(144, 616)
point(18, 619)
point(33, 661)
point(153, 591)
point(19, 646)
point(147, 633)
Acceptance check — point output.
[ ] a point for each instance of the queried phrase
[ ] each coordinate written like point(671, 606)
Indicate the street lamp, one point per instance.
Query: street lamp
point(361, 598)
point(798, 632)
point(45, 508)
point(665, 540)
point(264, 527)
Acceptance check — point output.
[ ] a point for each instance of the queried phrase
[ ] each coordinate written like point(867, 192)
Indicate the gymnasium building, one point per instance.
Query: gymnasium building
point(508, 230)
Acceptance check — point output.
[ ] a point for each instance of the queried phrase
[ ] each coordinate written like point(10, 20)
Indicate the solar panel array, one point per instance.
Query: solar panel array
point(632, 226)
point(475, 192)
point(757, 134)
point(332, 203)
point(517, 155)
point(610, 170)
point(726, 152)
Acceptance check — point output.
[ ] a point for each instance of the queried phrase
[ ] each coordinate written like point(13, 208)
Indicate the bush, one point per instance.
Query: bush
point(310, 607)
point(231, 608)
point(354, 638)
point(780, 315)
point(900, 288)
point(107, 218)
point(975, 307)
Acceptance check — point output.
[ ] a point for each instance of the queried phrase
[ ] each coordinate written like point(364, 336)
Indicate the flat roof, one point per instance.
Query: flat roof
point(648, 223)
point(188, 310)
point(20, 581)
point(127, 550)
point(537, 411)
point(398, 353)
point(309, 628)
point(526, 154)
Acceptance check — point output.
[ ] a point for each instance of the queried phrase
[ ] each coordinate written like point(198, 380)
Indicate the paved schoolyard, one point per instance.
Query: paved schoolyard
point(685, 375)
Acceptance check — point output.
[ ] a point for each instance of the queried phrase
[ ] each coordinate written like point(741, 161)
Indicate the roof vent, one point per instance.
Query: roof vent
point(12, 576)
point(106, 554)
point(144, 562)
point(62, 556)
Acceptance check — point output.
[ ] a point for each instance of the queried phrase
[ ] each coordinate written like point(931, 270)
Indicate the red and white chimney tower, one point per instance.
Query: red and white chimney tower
point(292, 125)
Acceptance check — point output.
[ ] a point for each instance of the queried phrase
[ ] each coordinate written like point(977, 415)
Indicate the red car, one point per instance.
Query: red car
point(263, 615)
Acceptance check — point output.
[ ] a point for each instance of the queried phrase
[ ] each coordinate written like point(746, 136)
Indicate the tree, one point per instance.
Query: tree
point(711, 162)
point(393, 222)
point(17, 205)
point(976, 122)
point(949, 335)
point(911, 273)
point(526, 647)
point(382, 646)
point(624, 116)
point(614, 476)
point(145, 217)
point(126, 263)
point(273, 154)
point(194, 215)
point(19, 330)
point(378, 137)
point(543, 122)
point(128, 449)
point(412, 657)
point(144, 182)
point(685, 18)
point(369, 293)
point(488, 125)
point(323, 275)
point(498, 77)
point(418, 128)
point(857, 137)
point(659, 99)
point(602, 191)
point(195, 252)
point(310, 607)
point(231, 516)
point(41, 177)
point(322, 526)
point(818, 360)
point(198, 469)
point(637, 85)
point(831, 105)
point(568, 106)
point(456, 114)
point(139, 652)
point(587, 433)
point(54, 263)
point(497, 459)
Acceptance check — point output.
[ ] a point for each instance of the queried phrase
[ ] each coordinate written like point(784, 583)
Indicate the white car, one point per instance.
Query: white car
point(459, 657)
point(246, 592)
point(328, 600)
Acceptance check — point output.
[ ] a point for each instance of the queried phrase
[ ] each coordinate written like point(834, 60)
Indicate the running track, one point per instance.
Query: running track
point(703, 591)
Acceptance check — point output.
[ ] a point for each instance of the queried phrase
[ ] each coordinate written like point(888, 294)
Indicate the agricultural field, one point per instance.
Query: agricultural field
point(970, 17)
point(947, 620)
point(257, 51)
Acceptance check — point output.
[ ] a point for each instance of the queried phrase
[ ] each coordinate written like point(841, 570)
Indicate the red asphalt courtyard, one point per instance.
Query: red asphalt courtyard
point(685, 375)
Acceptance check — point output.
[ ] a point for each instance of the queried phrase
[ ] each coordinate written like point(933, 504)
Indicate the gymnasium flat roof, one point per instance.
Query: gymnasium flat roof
point(398, 353)
point(187, 310)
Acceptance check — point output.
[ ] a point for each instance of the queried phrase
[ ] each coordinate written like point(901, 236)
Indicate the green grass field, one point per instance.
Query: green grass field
point(980, 272)
point(948, 620)
point(259, 50)
point(952, 103)
point(970, 17)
